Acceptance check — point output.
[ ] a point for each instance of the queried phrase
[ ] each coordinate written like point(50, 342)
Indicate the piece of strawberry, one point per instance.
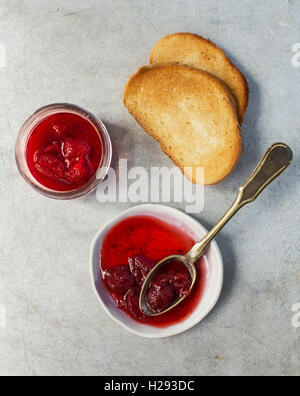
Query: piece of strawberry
point(181, 282)
point(119, 279)
point(53, 148)
point(140, 267)
point(77, 172)
point(75, 148)
point(131, 304)
point(160, 295)
point(61, 129)
point(51, 166)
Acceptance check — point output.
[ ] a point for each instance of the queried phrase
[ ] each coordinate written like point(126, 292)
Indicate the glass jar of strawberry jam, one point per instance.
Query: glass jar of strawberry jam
point(63, 151)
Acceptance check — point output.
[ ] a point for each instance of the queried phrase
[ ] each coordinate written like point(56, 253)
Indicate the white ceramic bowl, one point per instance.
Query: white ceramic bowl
point(213, 261)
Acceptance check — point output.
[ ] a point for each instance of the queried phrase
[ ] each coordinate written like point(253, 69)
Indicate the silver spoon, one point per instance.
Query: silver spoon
point(276, 159)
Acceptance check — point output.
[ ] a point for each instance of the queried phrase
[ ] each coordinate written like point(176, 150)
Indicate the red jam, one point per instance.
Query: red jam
point(130, 250)
point(172, 282)
point(64, 152)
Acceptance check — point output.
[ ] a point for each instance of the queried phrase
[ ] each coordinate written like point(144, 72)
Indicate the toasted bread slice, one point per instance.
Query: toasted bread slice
point(191, 114)
point(193, 50)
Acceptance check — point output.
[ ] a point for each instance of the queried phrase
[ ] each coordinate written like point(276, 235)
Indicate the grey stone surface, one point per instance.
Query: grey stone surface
point(83, 52)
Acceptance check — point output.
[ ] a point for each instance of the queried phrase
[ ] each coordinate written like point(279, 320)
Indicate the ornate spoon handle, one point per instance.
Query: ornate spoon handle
point(275, 160)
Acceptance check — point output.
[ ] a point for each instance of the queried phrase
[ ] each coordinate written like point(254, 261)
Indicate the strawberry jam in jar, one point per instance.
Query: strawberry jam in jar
point(63, 151)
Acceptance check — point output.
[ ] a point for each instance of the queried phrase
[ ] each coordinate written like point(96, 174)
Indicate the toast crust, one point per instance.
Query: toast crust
point(196, 51)
point(191, 114)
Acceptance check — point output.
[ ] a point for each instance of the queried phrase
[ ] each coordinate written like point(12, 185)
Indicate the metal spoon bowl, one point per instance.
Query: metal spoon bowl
point(275, 160)
point(178, 259)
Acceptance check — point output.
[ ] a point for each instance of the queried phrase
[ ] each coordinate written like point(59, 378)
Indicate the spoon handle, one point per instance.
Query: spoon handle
point(275, 160)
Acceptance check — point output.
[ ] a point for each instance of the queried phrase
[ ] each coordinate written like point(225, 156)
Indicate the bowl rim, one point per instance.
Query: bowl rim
point(165, 333)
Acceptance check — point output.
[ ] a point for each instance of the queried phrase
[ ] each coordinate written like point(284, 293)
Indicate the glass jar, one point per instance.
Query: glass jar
point(28, 128)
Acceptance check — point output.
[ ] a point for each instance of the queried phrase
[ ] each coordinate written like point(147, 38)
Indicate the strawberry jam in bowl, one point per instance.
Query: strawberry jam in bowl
point(63, 151)
point(143, 241)
point(126, 250)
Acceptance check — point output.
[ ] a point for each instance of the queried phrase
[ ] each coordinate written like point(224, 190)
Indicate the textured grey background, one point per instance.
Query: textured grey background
point(83, 52)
